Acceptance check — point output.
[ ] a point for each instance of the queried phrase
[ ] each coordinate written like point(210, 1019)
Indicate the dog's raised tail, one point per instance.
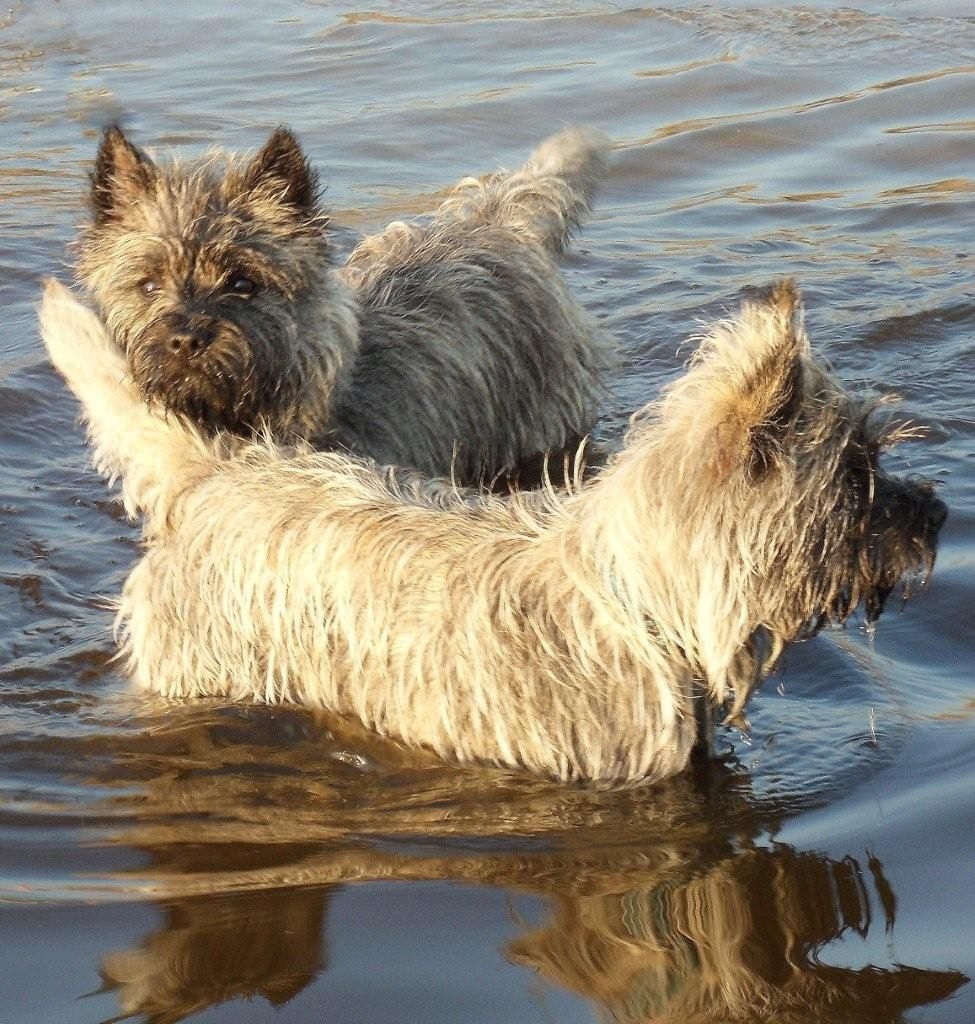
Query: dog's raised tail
point(152, 456)
point(550, 196)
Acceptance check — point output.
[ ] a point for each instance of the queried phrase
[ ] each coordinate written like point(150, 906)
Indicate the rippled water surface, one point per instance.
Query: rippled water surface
point(214, 863)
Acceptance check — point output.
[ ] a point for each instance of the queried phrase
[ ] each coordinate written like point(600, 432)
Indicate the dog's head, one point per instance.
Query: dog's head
point(783, 506)
point(204, 274)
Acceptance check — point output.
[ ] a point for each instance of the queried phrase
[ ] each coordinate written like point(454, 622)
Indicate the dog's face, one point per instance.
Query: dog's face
point(870, 531)
point(905, 519)
point(203, 274)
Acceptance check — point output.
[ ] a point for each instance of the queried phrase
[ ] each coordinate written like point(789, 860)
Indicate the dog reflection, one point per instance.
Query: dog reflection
point(740, 942)
point(664, 939)
point(212, 950)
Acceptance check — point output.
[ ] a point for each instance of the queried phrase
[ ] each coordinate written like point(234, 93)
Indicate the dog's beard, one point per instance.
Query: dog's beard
point(906, 562)
point(899, 557)
point(904, 527)
point(217, 387)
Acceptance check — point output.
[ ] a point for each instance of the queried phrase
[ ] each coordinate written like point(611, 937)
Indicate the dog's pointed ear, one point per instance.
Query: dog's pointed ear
point(280, 170)
point(764, 385)
point(121, 174)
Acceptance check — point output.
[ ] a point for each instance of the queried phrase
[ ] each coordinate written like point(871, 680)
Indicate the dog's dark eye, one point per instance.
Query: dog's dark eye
point(242, 286)
point(149, 286)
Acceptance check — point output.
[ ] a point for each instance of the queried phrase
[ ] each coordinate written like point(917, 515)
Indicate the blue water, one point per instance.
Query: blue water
point(210, 863)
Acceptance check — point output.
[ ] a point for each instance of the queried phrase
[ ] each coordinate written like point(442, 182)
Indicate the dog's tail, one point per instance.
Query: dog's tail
point(154, 457)
point(548, 198)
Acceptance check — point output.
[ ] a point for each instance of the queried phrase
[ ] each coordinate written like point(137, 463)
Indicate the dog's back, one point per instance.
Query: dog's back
point(472, 298)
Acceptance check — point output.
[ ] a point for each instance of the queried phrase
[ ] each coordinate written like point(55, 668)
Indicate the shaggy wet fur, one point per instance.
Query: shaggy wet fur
point(451, 346)
point(579, 636)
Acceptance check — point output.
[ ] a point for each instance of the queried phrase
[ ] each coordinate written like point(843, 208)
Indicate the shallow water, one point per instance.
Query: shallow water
point(208, 862)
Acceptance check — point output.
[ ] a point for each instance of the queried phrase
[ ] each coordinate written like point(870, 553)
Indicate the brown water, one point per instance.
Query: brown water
point(240, 864)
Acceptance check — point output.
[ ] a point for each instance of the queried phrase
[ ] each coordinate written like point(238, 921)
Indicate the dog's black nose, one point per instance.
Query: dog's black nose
point(188, 343)
point(937, 514)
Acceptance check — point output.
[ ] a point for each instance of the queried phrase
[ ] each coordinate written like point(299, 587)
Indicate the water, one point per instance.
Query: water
point(210, 863)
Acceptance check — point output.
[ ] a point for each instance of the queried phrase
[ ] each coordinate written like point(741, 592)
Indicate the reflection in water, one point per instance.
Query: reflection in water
point(209, 950)
point(666, 904)
point(739, 942)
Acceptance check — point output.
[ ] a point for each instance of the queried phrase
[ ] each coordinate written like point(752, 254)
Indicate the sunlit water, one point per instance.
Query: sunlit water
point(207, 862)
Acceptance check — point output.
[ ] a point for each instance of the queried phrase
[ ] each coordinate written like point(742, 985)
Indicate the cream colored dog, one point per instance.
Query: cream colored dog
point(582, 636)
